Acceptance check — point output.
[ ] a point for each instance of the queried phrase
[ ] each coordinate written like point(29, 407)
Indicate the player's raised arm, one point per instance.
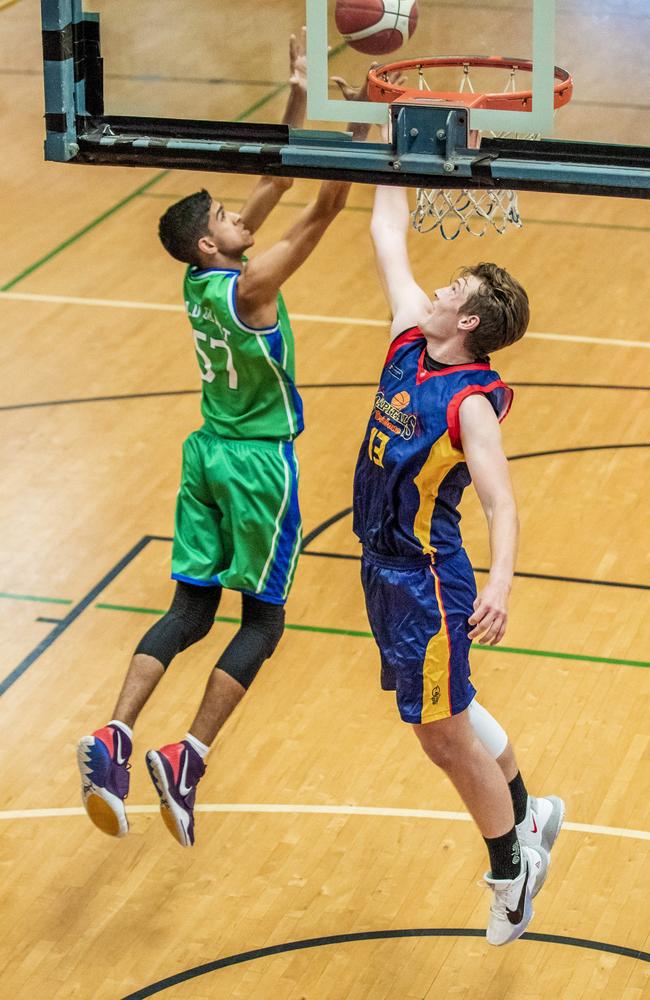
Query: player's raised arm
point(388, 229)
point(488, 467)
point(266, 273)
point(268, 190)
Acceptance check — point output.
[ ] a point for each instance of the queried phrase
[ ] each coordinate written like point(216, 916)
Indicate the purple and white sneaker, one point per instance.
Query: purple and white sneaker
point(103, 760)
point(176, 770)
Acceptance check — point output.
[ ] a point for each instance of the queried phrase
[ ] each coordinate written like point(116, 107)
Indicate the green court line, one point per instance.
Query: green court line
point(82, 232)
point(368, 635)
point(31, 597)
point(143, 187)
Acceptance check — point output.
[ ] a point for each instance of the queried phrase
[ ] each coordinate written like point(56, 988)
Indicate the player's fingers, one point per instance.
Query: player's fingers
point(495, 631)
point(342, 84)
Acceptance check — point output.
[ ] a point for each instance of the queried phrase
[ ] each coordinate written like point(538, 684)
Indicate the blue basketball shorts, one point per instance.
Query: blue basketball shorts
point(418, 615)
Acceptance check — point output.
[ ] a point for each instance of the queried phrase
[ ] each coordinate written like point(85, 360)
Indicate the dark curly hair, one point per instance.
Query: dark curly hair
point(502, 307)
point(183, 224)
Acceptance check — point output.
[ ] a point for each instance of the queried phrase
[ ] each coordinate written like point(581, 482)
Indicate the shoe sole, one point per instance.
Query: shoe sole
point(172, 816)
point(552, 829)
point(105, 810)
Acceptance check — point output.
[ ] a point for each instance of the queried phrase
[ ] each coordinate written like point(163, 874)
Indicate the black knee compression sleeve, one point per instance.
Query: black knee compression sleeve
point(262, 626)
point(189, 619)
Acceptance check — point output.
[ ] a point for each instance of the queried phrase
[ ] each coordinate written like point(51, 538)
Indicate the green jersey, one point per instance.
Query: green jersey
point(247, 374)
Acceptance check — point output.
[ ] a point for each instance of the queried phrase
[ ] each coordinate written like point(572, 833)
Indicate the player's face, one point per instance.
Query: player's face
point(447, 303)
point(228, 231)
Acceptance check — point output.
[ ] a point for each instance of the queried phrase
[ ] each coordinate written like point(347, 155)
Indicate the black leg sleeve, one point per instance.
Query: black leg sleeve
point(190, 618)
point(261, 629)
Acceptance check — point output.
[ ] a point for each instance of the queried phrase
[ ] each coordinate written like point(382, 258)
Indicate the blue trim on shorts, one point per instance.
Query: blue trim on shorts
point(214, 581)
point(277, 579)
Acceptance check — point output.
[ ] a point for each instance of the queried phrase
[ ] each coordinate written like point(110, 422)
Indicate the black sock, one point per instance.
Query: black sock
point(505, 855)
point(519, 797)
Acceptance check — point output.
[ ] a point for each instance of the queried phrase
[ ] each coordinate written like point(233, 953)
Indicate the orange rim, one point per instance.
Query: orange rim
point(382, 90)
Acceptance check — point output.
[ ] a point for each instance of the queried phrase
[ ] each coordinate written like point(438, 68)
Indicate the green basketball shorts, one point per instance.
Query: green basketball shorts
point(237, 517)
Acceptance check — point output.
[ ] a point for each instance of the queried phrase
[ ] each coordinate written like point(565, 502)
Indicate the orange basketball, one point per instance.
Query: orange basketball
point(376, 26)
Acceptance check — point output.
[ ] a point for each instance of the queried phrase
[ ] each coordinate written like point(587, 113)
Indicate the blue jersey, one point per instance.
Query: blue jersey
point(411, 472)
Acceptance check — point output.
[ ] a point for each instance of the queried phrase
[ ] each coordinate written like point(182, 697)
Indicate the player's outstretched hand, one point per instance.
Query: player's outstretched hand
point(298, 60)
point(352, 93)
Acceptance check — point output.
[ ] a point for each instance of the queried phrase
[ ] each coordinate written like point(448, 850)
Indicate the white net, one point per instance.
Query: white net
point(452, 211)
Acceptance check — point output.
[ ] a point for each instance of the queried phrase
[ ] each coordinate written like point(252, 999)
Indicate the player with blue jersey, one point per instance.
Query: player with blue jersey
point(434, 428)
point(237, 520)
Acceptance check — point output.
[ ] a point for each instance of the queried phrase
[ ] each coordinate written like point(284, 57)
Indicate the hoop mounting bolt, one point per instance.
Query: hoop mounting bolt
point(448, 167)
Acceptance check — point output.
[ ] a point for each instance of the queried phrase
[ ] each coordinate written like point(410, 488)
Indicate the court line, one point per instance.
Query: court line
point(319, 810)
point(32, 597)
point(301, 386)
point(82, 232)
point(140, 190)
point(357, 634)
point(367, 209)
point(304, 317)
point(74, 613)
point(377, 935)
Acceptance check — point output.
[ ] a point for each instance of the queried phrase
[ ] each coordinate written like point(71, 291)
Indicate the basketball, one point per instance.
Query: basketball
point(376, 26)
point(400, 400)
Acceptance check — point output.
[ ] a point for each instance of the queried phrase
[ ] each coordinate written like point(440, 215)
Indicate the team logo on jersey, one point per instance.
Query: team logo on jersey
point(391, 415)
point(435, 695)
point(400, 400)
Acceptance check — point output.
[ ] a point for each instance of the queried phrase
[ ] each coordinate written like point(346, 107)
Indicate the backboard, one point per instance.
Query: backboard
point(203, 84)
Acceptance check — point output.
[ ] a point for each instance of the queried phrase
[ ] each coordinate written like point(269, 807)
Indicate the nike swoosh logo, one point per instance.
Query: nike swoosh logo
point(534, 824)
point(516, 916)
point(118, 747)
point(182, 787)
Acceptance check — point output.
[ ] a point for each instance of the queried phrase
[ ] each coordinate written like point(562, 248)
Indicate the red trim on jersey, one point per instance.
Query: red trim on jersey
point(405, 337)
point(423, 373)
point(453, 406)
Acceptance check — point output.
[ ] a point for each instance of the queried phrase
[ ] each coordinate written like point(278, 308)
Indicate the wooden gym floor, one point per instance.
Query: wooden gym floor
point(320, 821)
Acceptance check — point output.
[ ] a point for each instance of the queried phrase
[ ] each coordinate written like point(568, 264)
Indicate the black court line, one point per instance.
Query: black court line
point(49, 621)
point(104, 582)
point(569, 451)
point(74, 613)
point(302, 387)
point(320, 942)
point(518, 573)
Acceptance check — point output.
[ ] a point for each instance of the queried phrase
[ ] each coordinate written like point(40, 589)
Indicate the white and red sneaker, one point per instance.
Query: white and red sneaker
point(512, 907)
point(542, 822)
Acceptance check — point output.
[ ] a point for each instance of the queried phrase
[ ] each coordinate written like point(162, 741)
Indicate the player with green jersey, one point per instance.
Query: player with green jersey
point(252, 413)
point(237, 516)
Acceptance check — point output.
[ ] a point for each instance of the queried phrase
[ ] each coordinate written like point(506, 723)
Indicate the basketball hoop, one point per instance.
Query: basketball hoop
point(452, 211)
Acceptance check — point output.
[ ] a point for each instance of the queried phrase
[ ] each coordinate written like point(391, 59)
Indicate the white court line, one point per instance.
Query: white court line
point(256, 807)
point(73, 300)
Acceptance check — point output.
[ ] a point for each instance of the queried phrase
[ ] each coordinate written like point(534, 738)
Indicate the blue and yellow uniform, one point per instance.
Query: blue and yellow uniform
point(409, 480)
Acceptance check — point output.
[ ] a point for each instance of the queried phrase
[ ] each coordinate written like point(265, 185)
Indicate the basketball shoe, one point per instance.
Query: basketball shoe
point(176, 770)
point(512, 907)
point(542, 822)
point(103, 759)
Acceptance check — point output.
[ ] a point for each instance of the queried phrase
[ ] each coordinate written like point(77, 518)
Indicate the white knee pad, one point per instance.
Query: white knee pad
point(490, 733)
